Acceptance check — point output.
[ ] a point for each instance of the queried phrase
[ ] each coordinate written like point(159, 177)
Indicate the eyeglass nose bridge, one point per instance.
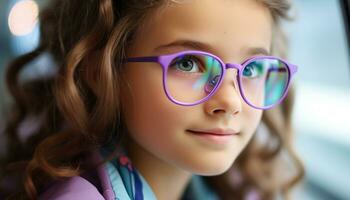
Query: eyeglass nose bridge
point(238, 68)
point(233, 66)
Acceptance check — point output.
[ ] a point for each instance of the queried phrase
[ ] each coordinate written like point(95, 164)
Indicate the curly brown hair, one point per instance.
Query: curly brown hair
point(78, 109)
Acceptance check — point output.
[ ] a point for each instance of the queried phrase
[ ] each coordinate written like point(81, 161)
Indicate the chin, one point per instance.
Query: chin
point(213, 169)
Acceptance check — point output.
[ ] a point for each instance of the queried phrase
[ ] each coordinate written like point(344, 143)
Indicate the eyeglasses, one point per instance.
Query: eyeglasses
point(192, 77)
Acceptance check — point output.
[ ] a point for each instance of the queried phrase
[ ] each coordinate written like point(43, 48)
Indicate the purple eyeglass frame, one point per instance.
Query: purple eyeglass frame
point(165, 61)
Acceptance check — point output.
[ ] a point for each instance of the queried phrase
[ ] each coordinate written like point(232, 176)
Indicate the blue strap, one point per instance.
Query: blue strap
point(127, 181)
point(138, 186)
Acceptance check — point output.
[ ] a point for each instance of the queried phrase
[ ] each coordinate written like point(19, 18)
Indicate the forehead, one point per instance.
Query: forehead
point(225, 25)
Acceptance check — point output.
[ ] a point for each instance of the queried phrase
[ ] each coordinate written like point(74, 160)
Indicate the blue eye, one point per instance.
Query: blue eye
point(187, 64)
point(253, 70)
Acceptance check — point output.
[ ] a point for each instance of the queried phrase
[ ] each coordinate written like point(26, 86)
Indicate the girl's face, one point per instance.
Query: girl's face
point(234, 30)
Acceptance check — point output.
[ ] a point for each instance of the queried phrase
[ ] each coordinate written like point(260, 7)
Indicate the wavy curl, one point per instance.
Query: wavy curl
point(78, 109)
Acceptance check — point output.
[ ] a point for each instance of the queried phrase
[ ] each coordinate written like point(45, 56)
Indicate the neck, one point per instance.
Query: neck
point(167, 182)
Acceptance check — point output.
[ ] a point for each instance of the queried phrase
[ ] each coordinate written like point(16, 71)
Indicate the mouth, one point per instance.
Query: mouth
point(210, 133)
point(215, 131)
point(213, 137)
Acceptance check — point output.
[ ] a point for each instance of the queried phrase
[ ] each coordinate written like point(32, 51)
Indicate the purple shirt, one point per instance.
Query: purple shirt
point(93, 185)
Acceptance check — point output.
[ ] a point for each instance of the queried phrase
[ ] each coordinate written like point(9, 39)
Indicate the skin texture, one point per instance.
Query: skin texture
point(160, 146)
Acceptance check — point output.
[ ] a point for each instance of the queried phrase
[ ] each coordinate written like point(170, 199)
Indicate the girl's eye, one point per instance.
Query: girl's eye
point(252, 71)
point(187, 64)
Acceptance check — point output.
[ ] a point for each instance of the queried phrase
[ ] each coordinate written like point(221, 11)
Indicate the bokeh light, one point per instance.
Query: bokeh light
point(23, 17)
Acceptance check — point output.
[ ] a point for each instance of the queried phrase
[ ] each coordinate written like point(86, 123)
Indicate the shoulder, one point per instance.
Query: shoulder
point(75, 187)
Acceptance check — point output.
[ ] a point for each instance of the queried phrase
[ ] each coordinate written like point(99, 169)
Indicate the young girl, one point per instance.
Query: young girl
point(156, 99)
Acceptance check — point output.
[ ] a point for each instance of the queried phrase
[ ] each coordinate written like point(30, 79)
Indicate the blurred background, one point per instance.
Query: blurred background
point(319, 44)
point(319, 41)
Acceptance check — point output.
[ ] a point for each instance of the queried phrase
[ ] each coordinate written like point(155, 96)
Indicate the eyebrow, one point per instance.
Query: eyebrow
point(206, 47)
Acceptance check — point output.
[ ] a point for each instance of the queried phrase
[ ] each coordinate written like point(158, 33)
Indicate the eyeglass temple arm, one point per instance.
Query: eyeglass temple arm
point(143, 59)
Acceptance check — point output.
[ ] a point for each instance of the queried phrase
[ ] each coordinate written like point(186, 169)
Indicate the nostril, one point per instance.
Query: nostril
point(226, 112)
point(218, 111)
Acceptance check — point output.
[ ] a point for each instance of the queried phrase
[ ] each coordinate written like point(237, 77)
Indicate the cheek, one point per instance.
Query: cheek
point(157, 125)
point(141, 96)
point(149, 115)
point(250, 120)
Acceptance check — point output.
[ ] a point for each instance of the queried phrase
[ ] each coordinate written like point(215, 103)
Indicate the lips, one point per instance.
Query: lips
point(217, 132)
point(218, 138)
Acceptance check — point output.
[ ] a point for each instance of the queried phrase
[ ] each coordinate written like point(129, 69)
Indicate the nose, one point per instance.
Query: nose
point(226, 101)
